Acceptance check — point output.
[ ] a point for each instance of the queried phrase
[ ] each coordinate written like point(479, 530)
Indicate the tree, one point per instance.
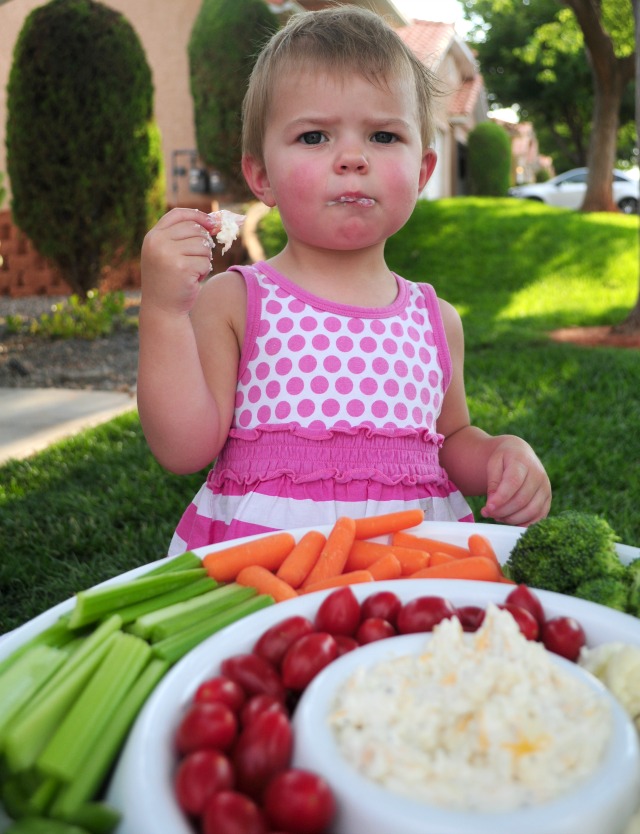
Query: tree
point(533, 54)
point(224, 43)
point(83, 153)
point(489, 160)
point(530, 58)
point(608, 37)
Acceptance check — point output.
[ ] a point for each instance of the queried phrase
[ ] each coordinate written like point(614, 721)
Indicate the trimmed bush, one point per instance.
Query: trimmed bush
point(489, 160)
point(83, 151)
point(224, 44)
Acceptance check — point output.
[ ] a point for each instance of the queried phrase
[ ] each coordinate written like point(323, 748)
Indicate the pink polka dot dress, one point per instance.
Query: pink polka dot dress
point(335, 414)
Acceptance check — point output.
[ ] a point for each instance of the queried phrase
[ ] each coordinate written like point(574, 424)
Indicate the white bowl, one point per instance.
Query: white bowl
point(602, 803)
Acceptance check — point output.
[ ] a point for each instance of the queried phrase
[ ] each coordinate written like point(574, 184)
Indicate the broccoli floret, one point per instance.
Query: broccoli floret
point(633, 574)
point(561, 552)
point(611, 590)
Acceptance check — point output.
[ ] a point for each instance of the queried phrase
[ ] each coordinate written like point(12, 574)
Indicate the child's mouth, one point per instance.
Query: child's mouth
point(360, 201)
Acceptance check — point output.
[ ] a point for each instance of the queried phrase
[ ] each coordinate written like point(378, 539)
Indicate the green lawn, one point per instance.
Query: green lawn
point(98, 504)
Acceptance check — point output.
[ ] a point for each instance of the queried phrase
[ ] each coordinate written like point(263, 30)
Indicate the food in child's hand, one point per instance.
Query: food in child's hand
point(230, 224)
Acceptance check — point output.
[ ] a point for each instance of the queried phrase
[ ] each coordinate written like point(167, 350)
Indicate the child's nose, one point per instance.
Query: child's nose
point(352, 159)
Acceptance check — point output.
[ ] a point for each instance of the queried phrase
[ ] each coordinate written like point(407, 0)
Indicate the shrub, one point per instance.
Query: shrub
point(489, 160)
point(224, 43)
point(83, 152)
point(3, 191)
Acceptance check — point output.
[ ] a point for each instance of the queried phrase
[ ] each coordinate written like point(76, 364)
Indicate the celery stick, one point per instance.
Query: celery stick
point(173, 648)
point(96, 817)
point(43, 825)
point(84, 647)
point(56, 636)
point(95, 603)
point(138, 609)
point(24, 678)
point(39, 719)
point(184, 561)
point(42, 797)
point(167, 621)
point(73, 741)
point(94, 771)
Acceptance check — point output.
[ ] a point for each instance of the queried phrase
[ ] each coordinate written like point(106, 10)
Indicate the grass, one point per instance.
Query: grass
point(97, 505)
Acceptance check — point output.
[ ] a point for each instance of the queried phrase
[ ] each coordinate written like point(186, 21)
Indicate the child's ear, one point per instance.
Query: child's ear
point(255, 173)
point(429, 160)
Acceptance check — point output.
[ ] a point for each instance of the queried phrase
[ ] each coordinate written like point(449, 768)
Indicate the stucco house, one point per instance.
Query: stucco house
point(164, 30)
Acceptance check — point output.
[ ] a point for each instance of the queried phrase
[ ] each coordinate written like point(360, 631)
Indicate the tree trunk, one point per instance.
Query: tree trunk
point(610, 77)
point(632, 321)
point(601, 157)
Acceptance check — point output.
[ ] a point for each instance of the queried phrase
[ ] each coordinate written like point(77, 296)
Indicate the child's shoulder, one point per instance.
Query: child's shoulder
point(222, 291)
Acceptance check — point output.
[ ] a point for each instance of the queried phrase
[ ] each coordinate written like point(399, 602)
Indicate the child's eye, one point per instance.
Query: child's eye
point(384, 137)
point(312, 137)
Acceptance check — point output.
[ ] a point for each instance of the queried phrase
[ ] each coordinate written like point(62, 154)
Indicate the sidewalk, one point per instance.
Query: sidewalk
point(33, 418)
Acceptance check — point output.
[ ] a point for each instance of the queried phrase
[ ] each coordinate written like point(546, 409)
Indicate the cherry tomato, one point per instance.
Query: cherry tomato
point(525, 598)
point(339, 613)
point(564, 636)
point(201, 774)
point(296, 800)
point(254, 674)
point(263, 749)
point(384, 604)
point(527, 623)
point(229, 812)
point(276, 640)
point(258, 704)
point(345, 644)
point(206, 725)
point(470, 616)
point(306, 657)
point(374, 628)
point(423, 613)
point(221, 689)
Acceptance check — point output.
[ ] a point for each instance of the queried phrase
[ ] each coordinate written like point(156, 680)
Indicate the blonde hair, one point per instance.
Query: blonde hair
point(340, 40)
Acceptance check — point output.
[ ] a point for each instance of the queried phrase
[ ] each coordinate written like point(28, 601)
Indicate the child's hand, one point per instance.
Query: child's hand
point(518, 488)
point(176, 256)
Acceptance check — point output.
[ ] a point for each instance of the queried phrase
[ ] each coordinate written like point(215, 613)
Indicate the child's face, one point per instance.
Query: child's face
point(343, 159)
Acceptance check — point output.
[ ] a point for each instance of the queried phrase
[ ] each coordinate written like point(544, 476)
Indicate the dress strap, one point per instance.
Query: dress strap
point(435, 317)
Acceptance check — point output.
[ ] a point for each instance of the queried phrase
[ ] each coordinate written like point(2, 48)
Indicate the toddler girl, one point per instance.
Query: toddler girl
point(322, 382)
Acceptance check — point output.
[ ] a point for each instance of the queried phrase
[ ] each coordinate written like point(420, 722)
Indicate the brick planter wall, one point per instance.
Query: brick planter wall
point(23, 272)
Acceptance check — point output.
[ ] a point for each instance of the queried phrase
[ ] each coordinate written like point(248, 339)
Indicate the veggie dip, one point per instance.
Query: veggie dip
point(477, 722)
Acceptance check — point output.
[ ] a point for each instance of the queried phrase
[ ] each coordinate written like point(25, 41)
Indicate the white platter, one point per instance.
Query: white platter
point(146, 757)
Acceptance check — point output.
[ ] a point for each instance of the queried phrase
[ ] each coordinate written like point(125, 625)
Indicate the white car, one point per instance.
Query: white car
point(567, 190)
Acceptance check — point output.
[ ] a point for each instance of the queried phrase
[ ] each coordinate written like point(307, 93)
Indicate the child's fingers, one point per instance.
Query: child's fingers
point(177, 216)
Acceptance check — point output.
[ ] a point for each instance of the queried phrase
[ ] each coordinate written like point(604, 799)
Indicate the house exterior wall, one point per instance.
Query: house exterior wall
point(164, 30)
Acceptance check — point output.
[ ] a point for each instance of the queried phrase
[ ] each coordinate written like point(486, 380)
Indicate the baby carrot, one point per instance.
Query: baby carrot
point(268, 551)
point(480, 545)
point(351, 578)
point(335, 552)
point(430, 545)
point(388, 567)
point(265, 582)
point(381, 525)
point(364, 553)
point(439, 558)
point(473, 567)
point(298, 564)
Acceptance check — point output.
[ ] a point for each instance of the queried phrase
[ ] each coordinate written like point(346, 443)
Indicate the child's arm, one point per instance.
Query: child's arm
point(185, 418)
point(504, 467)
